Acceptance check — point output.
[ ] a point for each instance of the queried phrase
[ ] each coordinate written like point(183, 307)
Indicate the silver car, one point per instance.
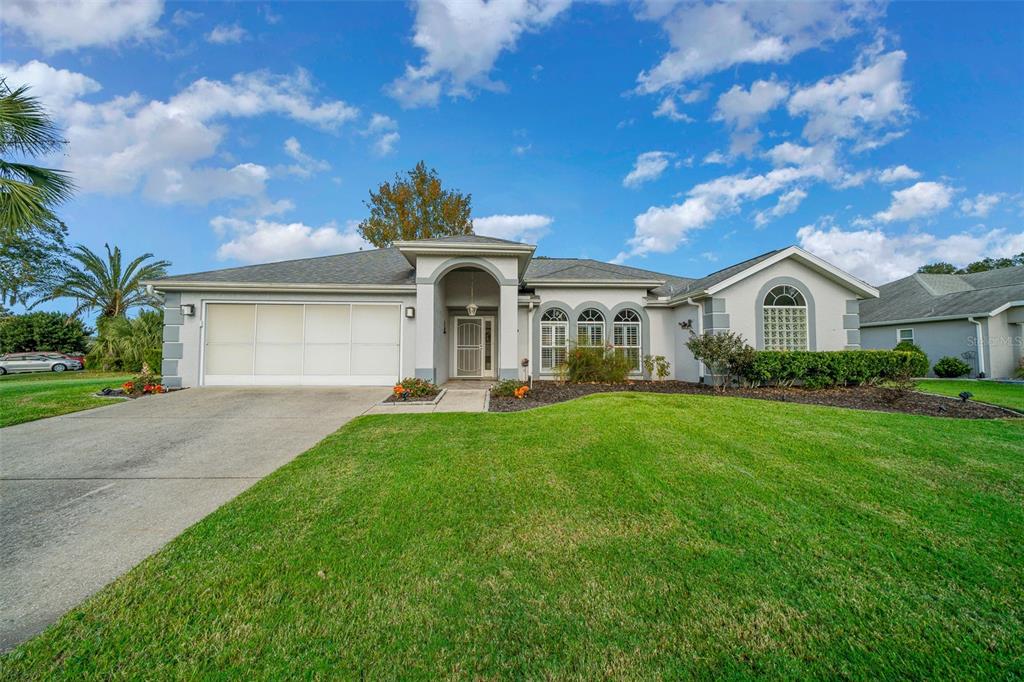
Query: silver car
point(12, 363)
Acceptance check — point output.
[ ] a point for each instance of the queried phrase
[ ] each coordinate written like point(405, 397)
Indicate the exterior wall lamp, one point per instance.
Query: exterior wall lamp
point(187, 309)
point(410, 312)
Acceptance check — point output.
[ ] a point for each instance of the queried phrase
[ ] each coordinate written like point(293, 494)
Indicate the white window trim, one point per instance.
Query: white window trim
point(582, 325)
point(553, 325)
point(639, 339)
point(905, 329)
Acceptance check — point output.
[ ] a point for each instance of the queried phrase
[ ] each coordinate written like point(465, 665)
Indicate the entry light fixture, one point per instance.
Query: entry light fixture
point(472, 307)
point(410, 312)
point(187, 309)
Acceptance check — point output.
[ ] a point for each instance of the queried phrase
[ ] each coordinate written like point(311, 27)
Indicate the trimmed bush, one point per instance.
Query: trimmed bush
point(596, 365)
point(54, 332)
point(823, 369)
point(417, 388)
point(951, 368)
point(506, 388)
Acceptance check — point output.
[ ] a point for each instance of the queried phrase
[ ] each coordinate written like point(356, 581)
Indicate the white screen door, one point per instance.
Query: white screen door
point(474, 346)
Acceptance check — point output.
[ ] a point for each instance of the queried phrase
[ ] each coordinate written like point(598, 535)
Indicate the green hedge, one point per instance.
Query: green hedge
point(821, 369)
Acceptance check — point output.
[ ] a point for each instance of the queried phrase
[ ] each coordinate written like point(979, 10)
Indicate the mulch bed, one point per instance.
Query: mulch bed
point(422, 399)
point(855, 397)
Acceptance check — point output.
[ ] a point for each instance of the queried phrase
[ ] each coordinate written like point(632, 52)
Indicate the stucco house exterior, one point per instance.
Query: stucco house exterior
point(480, 307)
point(978, 317)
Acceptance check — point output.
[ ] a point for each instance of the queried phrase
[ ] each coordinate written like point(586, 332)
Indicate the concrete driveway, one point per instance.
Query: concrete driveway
point(86, 496)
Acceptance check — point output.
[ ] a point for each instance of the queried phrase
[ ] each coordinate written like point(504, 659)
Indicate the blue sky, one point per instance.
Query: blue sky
point(673, 136)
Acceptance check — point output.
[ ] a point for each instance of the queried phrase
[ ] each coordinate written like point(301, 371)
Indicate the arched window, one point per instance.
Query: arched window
point(626, 336)
point(590, 328)
point(785, 319)
point(554, 335)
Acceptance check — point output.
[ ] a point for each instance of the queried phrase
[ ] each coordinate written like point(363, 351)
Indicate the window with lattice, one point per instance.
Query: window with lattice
point(785, 319)
point(626, 336)
point(590, 329)
point(554, 336)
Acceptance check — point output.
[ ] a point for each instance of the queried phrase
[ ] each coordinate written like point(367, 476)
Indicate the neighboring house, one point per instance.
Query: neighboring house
point(475, 306)
point(978, 318)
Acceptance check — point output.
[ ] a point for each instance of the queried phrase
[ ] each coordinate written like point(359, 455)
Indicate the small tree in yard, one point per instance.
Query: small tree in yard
point(725, 354)
point(41, 331)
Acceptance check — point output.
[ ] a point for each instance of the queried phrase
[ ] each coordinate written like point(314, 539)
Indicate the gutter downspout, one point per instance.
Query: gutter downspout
point(700, 323)
point(981, 346)
point(529, 345)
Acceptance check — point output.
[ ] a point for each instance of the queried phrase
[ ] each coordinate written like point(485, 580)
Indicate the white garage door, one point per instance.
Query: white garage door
point(280, 344)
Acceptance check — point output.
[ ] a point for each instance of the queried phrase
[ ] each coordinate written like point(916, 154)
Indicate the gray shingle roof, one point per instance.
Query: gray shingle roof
point(923, 296)
point(554, 269)
point(469, 239)
point(374, 266)
point(714, 278)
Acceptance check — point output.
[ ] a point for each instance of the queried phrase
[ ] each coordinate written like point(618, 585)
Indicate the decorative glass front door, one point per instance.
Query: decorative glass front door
point(474, 346)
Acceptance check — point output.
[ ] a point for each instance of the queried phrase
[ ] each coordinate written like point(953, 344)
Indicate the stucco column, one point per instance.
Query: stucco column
point(508, 330)
point(425, 331)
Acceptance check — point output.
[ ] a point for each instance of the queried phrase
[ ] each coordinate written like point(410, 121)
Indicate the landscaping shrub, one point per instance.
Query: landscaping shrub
point(1019, 372)
point(54, 332)
point(951, 368)
point(725, 354)
point(416, 388)
point(124, 344)
point(823, 369)
point(657, 366)
point(506, 388)
point(911, 347)
point(145, 383)
point(596, 365)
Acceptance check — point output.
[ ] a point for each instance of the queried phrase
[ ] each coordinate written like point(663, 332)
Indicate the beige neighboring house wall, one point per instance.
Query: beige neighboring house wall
point(828, 303)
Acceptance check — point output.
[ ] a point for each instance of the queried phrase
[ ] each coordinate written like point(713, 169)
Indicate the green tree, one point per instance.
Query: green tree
point(31, 235)
point(124, 344)
point(104, 284)
point(725, 354)
point(416, 207)
point(983, 265)
point(43, 332)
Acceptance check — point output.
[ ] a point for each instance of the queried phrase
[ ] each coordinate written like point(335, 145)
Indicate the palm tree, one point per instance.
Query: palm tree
point(31, 235)
point(104, 285)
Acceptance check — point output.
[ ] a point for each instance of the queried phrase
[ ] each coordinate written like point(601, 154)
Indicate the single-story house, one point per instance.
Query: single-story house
point(978, 317)
point(479, 307)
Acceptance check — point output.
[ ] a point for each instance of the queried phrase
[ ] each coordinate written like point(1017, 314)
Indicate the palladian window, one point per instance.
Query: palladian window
point(590, 328)
point(785, 319)
point(554, 335)
point(626, 336)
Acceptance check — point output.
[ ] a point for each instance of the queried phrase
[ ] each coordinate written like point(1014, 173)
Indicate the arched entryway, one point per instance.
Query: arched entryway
point(471, 299)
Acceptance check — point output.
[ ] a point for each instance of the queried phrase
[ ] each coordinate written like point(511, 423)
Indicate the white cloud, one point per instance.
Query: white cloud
point(226, 34)
point(856, 103)
point(55, 25)
point(258, 241)
point(898, 174)
point(714, 158)
point(380, 123)
point(122, 143)
point(648, 166)
point(707, 38)
point(981, 205)
point(462, 39)
point(786, 204)
point(877, 257)
point(202, 185)
point(385, 144)
point(528, 227)
point(918, 200)
point(184, 17)
point(660, 229)
point(55, 88)
point(670, 110)
point(305, 166)
point(741, 108)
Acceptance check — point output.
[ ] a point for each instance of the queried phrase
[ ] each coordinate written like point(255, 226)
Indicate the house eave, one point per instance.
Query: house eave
point(281, 287)
point(596, 283)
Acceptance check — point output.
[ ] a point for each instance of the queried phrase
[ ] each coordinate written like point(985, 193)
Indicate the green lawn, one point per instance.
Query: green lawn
point(622, 535)
point(26, 397)
point(1007, 395)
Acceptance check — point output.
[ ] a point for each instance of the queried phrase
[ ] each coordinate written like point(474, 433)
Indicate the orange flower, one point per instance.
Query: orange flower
point(128, 386)
point(399, 389)
point(521, 392)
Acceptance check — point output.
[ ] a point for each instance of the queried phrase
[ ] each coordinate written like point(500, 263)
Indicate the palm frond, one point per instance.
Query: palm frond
point(25, 127)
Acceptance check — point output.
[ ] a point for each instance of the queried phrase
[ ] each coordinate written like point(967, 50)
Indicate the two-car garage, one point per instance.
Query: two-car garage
point(321, 344)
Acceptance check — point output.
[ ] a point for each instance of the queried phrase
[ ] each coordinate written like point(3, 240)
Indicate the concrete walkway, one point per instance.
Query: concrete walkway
point(86, 496)
point(461, 397)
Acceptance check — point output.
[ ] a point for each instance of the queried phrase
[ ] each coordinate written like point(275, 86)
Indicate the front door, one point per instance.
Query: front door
point(474, 346)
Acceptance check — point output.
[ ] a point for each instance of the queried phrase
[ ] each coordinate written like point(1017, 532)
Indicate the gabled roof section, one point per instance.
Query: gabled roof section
point(583, 271)
point(716, 281)
point(466, 245)
point(464, 239)
point(374, 267)
point(920, 297)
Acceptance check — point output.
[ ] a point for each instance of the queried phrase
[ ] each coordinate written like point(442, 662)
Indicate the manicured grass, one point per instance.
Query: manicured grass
point(27, 397)
point(622, 535)
point(1007, 395)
